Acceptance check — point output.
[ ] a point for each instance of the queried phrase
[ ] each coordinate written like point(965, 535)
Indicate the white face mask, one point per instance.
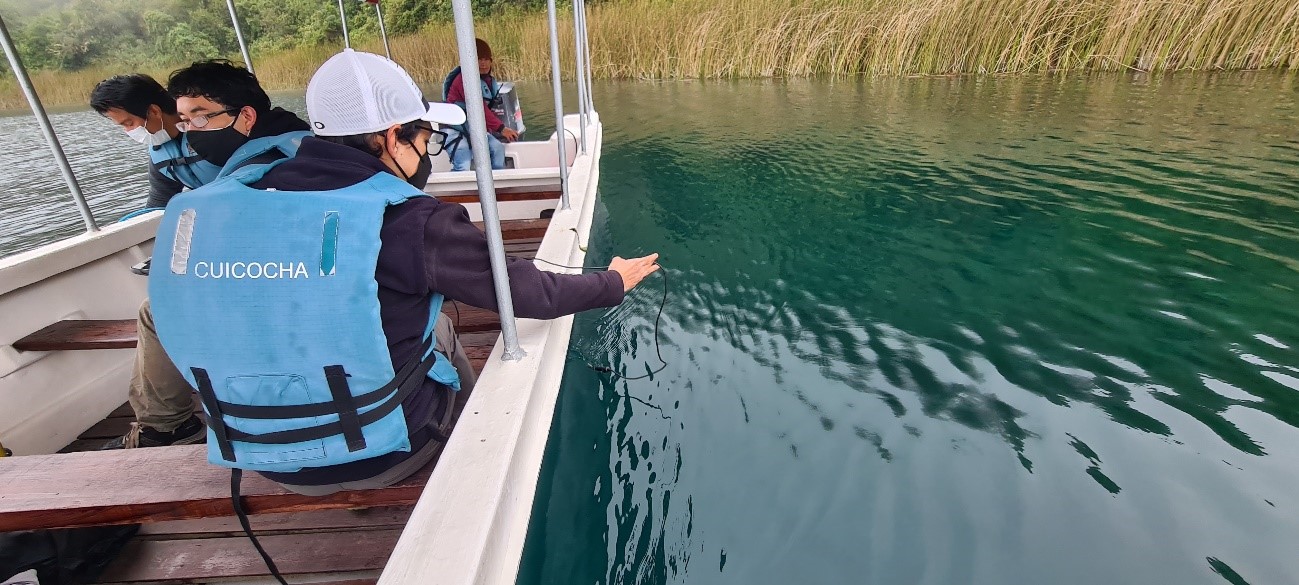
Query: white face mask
point(143, 136)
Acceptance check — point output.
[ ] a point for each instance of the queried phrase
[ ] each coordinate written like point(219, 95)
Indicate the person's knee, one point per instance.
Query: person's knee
point(460, 155)
point(144, 320)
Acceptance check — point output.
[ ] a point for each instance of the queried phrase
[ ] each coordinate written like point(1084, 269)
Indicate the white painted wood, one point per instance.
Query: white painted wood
point(472, 519)
point(51, 397)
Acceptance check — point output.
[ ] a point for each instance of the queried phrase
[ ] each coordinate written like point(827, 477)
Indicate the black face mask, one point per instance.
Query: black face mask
point(423, 170)
point(216, 146)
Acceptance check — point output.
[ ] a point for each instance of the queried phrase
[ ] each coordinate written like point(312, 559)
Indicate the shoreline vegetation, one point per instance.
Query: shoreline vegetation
point(712, 39)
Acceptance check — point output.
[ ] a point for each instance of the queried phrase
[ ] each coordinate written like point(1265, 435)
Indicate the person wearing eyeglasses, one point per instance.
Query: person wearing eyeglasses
point(342, 320)
point(226, 120)
point(142, 108)
point(224, 111)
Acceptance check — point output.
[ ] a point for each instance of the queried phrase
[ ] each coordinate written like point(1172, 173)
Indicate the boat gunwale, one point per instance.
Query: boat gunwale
point(471, 521)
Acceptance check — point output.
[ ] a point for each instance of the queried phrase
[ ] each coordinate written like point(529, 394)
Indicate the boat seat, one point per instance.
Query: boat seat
point(81, 334)
point(136, 486)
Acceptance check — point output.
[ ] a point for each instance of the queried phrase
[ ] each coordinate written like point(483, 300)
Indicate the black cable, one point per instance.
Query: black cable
point(658, 347)
point(236, 475)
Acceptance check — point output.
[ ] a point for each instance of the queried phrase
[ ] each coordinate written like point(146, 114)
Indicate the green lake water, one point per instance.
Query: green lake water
point(1020, 330)
point(939, 331)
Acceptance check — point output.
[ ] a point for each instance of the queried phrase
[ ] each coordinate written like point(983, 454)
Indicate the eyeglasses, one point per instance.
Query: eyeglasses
point(439, 138)
point(201, 122)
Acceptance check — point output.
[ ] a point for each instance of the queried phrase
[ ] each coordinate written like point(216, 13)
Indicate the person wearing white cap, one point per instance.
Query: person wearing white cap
point(322, 374)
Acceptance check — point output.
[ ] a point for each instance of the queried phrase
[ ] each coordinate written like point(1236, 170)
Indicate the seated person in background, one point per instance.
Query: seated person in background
point(453, 91)
point(326, 370)
point(229, 122)
point(143, 109)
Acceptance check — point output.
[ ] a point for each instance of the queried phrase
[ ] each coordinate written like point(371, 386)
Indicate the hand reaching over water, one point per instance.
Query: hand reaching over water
point(635, 270)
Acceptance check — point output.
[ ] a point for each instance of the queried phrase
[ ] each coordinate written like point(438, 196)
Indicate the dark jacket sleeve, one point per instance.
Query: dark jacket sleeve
point(161, 188)
point(457, 264)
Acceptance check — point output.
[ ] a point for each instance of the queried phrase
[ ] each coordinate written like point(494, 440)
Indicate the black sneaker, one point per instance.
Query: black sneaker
point(188, 433)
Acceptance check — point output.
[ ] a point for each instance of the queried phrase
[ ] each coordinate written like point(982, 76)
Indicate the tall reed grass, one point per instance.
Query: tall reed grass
point(665, 39)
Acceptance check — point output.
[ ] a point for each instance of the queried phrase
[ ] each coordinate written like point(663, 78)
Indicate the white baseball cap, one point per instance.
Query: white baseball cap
point(359, 93)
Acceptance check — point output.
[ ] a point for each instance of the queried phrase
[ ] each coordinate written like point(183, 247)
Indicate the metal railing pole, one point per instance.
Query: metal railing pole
point(580, 63)
point(559, 106)
point(586, 50)
point(383, 30)
point(41, 117)
point(239, 36)
point(347, 41)
point(477, 126)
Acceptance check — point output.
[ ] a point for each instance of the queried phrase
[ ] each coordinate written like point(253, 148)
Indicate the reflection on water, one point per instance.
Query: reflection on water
point(959, 330)
point(37, 205)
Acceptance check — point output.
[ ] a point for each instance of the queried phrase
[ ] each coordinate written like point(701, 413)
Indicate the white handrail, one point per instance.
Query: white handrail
point(383, 30)
point(586, 52)
point(477, 126)
point(559, 106)
point(580, 76)
point(347, 40)
point(239, 36)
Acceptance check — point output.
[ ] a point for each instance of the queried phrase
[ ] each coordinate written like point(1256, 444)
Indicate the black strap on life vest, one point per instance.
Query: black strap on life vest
point(408, 379)
point(172, 165)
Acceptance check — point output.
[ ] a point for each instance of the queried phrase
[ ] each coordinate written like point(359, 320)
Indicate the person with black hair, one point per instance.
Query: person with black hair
point(229, 124)
point(144, 110)
point(222, 107)
point(312, 286)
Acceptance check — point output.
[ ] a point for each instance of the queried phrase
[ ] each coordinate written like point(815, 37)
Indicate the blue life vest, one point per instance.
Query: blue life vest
point(491, 95)
point(287, 144)
point(177, 161)
point(267, 303)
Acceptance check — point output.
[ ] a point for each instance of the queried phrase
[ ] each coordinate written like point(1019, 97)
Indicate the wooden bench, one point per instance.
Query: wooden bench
point(81, 334)
point(133, 486)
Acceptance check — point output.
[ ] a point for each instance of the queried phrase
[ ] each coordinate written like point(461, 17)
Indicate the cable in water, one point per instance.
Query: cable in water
point(658, 348)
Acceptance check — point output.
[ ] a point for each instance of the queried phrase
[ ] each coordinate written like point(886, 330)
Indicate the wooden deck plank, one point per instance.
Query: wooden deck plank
point(81, 334)
point(294, 554)
point(513, 229)
point(369, 519)
point(469, 319)
point(65, 490)
point(113, 426)
point(503, 194)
